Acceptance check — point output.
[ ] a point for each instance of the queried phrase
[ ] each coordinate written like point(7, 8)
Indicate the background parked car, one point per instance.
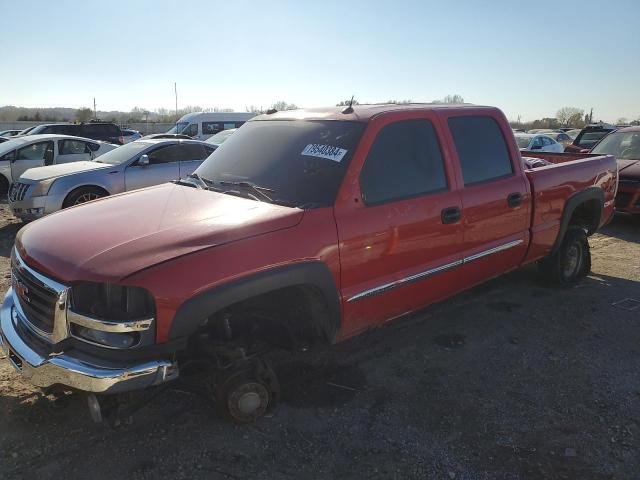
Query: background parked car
point(540, 143)
point(175, 136)
point(561, 137)
point(105, 131)
point(220, 137)
point(135, 165)
point(573, 133)
point(129, 135)
point(22, 153)
point(589, 136)
point(9, 133)
point(624, 144)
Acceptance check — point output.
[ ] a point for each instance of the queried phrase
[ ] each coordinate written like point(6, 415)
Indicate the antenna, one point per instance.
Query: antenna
point(349, 109)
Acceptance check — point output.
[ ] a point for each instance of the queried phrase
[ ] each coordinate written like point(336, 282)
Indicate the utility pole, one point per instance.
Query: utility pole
point(175, 89)
point(95, 116)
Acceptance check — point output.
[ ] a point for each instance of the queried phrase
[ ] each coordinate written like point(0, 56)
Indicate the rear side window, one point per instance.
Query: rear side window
point(211, 128)
point(191, 151)
point(481, 147)
point(72, 147)
point(404, 161)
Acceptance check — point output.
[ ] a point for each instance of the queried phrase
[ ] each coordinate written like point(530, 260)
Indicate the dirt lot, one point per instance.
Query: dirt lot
point(510, 380)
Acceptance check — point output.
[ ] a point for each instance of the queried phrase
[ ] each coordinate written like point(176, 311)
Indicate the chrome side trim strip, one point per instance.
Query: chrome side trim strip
point(491, 251)
point(109, 326)
point(418, 276)
point(402, 281)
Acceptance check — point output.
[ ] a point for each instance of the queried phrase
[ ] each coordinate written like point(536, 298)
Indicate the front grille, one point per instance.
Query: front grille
point(18, 191)
point(38, 302)
point(623, 199)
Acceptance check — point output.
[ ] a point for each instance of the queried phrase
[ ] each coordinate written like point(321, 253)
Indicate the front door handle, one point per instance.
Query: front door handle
point(514, 199)
point(450, 215)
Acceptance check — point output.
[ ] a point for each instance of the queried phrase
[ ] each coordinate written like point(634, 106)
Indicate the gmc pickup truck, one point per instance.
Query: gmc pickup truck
point(304, 228)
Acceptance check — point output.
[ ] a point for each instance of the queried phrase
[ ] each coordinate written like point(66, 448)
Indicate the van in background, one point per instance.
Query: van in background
point(202, 125)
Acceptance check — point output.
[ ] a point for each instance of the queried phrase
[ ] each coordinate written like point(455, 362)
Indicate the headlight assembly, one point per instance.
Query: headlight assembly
point(110, 315)
point(42, 188)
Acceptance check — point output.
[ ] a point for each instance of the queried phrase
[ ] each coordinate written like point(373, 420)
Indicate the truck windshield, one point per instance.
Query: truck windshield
point(623, 145)
point(301, 163)
point(178, 127)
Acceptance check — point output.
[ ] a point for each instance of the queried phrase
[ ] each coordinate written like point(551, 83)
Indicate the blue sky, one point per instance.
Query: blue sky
point(528, 58)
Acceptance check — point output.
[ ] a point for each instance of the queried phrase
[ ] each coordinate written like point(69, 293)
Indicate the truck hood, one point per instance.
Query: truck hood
point(61, 170)
point(629, 168)
point(114, 237)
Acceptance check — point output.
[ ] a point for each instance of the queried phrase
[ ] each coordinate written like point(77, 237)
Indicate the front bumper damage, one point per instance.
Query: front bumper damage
point(43, 368)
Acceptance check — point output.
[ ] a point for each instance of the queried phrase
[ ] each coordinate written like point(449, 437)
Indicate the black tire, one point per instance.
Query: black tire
point(571, 262)
point(82, 195)
point(4, 187)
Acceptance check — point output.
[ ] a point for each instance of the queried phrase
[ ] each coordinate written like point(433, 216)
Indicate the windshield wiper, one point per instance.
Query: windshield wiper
point(204, 182)
point(250, 186)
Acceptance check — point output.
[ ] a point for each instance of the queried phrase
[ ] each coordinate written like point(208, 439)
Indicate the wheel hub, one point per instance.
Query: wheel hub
point(248, 401)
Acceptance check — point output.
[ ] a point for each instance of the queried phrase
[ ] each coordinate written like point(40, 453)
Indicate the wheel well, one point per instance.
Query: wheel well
point(65, 203)
point(587, 216)
point(292, 317)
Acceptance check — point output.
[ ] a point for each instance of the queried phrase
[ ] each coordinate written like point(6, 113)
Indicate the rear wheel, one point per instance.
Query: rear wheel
point(571, 262)
point(83, 195)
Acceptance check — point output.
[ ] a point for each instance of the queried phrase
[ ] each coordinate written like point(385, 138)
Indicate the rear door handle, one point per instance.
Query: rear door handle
point(514, 199)
point(450, 215)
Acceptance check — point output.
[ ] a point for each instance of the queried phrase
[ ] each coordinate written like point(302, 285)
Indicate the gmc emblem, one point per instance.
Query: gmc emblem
point(21, 289)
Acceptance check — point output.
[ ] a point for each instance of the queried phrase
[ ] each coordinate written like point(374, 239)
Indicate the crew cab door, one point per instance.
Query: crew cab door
point(34, 155)
point(398, 220)
point(164, 166)
point(71, 150)
point(495, 196)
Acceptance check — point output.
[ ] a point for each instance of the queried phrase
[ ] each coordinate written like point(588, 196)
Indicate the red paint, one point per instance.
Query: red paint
point(177, 241)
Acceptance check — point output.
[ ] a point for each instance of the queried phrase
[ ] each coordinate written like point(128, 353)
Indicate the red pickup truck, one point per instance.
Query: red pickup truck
point(304, 228)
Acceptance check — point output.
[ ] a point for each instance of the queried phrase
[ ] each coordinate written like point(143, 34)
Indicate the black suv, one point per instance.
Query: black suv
point(105, 131)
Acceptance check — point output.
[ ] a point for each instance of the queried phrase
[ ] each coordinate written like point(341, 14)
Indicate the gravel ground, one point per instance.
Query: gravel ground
point(509, 380)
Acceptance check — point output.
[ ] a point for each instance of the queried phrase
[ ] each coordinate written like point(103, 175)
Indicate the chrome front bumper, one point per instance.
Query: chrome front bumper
point(73, 369)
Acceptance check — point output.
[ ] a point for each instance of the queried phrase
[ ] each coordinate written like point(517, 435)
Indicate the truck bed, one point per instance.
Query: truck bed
point(553, 185)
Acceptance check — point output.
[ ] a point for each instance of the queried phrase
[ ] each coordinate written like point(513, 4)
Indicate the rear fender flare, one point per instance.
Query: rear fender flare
point(194, 311)
point(588, 195)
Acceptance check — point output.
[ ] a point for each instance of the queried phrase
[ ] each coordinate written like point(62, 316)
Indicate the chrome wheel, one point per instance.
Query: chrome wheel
point(86, 197)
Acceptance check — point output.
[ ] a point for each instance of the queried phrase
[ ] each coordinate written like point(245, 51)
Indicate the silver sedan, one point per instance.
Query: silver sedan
point(139, 164)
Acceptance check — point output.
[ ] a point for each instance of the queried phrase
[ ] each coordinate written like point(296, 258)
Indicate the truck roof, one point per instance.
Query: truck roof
point(361, 112)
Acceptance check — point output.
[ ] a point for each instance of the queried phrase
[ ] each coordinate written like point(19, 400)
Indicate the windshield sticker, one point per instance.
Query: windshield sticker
point(324, 151)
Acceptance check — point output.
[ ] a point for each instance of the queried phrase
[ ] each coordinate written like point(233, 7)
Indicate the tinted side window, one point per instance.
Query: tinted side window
point(192, 151)
point(72, 147)
point(209, 149)
point(167, 154)
point(481, 148)
point(404, 161)
point(192, 131)
point(211, 128)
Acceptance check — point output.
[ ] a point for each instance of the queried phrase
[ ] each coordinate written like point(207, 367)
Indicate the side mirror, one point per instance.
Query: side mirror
point(143, 161)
